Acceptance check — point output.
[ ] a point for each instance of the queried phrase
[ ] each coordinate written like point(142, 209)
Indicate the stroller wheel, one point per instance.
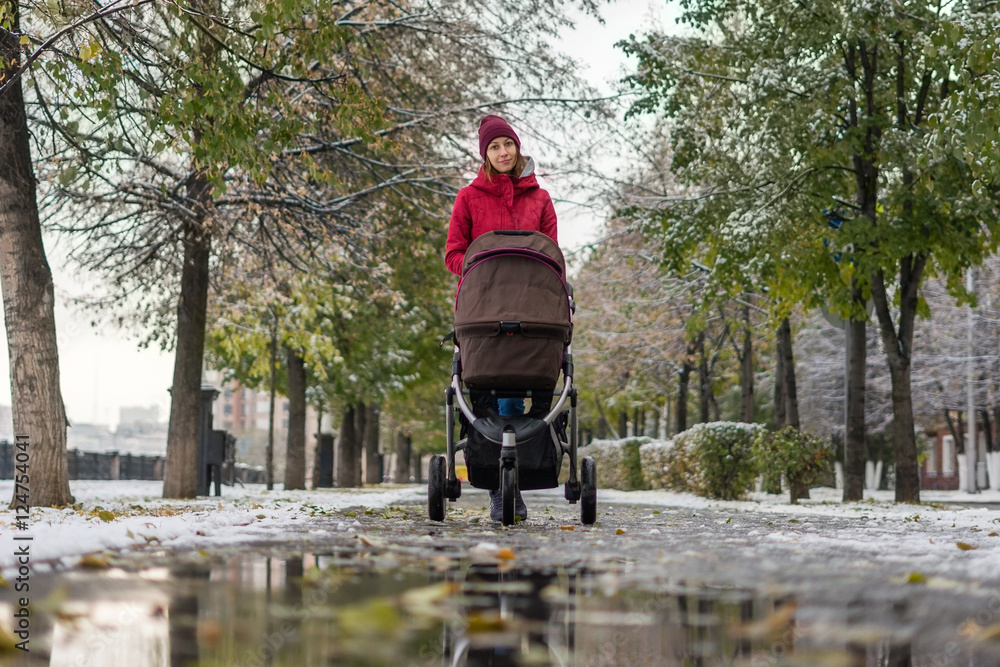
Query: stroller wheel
point(436, 488)
point(588, 491)
point(508, 488)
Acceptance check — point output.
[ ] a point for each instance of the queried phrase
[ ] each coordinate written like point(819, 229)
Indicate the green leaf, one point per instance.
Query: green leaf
point(67, 175)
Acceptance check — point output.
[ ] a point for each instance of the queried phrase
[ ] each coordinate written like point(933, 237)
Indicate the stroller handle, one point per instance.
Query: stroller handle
point(463, 405)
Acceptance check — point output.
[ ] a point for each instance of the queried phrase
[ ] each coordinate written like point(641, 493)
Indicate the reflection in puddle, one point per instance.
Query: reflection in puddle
point(111, 633)
point(337, 609)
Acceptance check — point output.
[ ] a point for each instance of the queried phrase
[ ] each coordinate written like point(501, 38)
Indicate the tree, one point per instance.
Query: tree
point(838, 97)
point(197, 128)
point(28, 295)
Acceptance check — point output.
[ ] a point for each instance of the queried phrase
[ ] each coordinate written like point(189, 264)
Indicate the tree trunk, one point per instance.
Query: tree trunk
point(788, 368)
point(316, 449)
point(28, 298)
point(180, 476)
point(746, 371)
point(704, 383)
point(403, 446)
point(416, 465)
point(866, 175)
point(269, 454)
point(899, 350)
point(778, 419)
point(854, 464)
point(348, 455)
point(683, 379)
point(772, 478)
point(295, 449)
point(604, 425)
point(360, 430)
point(373, 464)
point(623, 423)
point(958, 434)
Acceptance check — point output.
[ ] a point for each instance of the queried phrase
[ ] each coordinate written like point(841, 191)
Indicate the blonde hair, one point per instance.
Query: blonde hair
point(519, 164)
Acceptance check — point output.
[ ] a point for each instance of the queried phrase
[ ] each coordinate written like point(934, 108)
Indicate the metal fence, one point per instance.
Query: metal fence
point(114, 465)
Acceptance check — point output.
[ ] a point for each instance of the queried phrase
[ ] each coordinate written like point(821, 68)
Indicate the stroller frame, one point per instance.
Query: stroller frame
point(508, 431)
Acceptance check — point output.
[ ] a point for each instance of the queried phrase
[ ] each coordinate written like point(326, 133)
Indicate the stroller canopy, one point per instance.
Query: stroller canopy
point(512, 312)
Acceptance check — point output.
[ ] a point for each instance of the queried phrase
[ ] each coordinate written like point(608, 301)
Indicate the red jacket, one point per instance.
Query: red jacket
point(505, 203)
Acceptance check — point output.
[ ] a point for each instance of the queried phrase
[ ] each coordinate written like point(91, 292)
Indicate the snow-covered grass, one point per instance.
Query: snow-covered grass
point(124, 515)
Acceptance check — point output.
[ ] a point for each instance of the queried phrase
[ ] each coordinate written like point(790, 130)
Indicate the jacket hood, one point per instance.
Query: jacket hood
point(503, 184)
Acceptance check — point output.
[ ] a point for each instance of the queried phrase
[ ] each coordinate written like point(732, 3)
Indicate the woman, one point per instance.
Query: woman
point(504, 196)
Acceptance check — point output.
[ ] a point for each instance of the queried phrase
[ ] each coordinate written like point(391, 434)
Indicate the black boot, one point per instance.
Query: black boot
point(541, 403)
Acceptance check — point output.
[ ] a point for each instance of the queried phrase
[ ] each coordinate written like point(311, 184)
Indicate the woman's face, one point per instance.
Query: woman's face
point(502, 154)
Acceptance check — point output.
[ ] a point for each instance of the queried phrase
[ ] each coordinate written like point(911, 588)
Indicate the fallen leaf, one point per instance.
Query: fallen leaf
point(425, 600)
point(371, 541)
point(969, 629)
point(620, 531)
point(489, 621)
point(8, 641)
point(94, 561)
point(916, 578)
point(965, 546)
point(106, 516)
point(567, 528)
point(772, 627)
point(505, 553)
point(209, 633)
point(992, 633)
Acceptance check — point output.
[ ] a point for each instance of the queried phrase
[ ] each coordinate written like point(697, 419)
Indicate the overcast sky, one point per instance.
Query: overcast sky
point(104, 371)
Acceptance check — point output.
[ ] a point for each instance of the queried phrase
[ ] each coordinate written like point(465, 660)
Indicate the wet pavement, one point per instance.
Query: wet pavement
point(643, 586)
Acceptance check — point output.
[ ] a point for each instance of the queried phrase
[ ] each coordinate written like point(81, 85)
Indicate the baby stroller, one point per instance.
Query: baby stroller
point(513, 325)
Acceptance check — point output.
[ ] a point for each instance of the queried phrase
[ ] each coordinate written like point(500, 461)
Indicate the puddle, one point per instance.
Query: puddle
point(336, 609)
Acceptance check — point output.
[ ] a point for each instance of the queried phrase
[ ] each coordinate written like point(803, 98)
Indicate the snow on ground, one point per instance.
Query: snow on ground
point(119, 516)
point(142, 517)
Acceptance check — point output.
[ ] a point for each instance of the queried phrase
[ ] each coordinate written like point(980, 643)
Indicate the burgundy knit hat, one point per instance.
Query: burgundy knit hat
point(491, 127)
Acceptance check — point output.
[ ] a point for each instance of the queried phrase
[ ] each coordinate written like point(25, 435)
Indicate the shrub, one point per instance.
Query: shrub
point(713, 460)
point(723, 458)
point(619, 465)
point(655, 460)
point(671, 465)
point(801, 457)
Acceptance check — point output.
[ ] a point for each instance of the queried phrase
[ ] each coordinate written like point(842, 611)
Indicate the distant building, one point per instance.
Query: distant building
point(140, 431)
point(139, 415)
point(90, 437)
point(245, 413)
point(145, 439)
